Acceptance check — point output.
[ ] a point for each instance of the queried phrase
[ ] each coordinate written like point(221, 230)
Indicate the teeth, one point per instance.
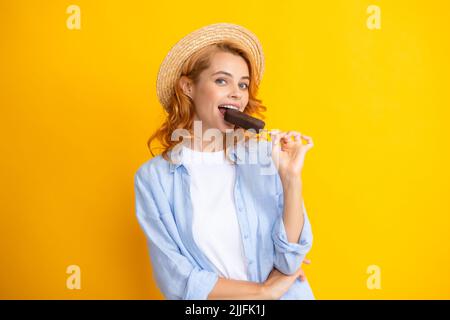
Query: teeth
point(228, 106)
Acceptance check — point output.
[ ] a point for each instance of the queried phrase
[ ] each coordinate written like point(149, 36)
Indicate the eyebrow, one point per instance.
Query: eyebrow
point(229, 74)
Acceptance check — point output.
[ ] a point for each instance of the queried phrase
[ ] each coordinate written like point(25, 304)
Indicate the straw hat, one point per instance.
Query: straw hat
point(170, 69)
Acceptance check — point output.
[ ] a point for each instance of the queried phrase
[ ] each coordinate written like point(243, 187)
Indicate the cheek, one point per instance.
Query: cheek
point(245, 99)
point(209, 95)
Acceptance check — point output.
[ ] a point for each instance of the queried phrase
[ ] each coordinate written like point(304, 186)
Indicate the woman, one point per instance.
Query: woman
point(219, 226)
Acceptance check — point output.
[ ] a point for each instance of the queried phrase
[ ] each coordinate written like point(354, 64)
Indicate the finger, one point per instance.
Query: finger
point(277, 137)
point(306, 261)
point(282, 135)
point(295, 135)
point(302, 276)
point(272, 133)
point(309, 141)
point(287, 137)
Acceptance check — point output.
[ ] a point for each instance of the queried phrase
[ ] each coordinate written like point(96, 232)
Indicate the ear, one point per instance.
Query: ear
point(186, 86)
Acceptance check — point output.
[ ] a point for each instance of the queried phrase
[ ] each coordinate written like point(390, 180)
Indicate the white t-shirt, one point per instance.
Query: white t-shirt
point(215, 225)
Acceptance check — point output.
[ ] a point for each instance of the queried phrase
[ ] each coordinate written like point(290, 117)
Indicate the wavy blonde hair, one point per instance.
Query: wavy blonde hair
point(181, 108)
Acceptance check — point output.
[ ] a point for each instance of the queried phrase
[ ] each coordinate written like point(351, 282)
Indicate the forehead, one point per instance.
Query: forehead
point(226, 61)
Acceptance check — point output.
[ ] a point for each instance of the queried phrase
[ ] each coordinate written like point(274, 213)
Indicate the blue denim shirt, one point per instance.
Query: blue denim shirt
point(164, 212)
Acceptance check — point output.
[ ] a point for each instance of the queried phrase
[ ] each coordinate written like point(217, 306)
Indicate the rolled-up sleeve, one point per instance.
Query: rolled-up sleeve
point(289, 255)
point(176, 276)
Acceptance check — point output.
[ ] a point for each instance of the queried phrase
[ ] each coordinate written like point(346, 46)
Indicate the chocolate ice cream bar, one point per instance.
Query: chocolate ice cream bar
point(243, 120)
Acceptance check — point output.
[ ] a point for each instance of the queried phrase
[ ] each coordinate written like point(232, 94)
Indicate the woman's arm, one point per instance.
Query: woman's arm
point(228, 289)
point(293, 214)
point(289, 156)
point(276, 285)
point(291, 233)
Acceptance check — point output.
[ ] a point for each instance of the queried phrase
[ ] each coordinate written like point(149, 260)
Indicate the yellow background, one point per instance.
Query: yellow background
point(77, 107)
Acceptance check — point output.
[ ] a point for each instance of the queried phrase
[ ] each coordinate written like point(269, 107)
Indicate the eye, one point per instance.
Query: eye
point(220, 79)
point(245, 86)
point(223, 81)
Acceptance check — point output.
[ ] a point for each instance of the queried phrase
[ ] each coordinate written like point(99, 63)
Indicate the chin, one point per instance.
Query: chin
point(223, 127)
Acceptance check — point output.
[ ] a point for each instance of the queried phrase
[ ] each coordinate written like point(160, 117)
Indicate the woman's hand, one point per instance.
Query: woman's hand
point(287, 154)
point(277, 284)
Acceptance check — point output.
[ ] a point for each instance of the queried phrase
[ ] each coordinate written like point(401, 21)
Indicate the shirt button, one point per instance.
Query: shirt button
point(246, 236)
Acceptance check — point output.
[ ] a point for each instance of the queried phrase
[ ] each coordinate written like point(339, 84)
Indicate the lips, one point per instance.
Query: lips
point(223, 108)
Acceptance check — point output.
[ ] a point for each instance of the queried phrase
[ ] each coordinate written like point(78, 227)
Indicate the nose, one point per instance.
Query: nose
point(236, 93)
